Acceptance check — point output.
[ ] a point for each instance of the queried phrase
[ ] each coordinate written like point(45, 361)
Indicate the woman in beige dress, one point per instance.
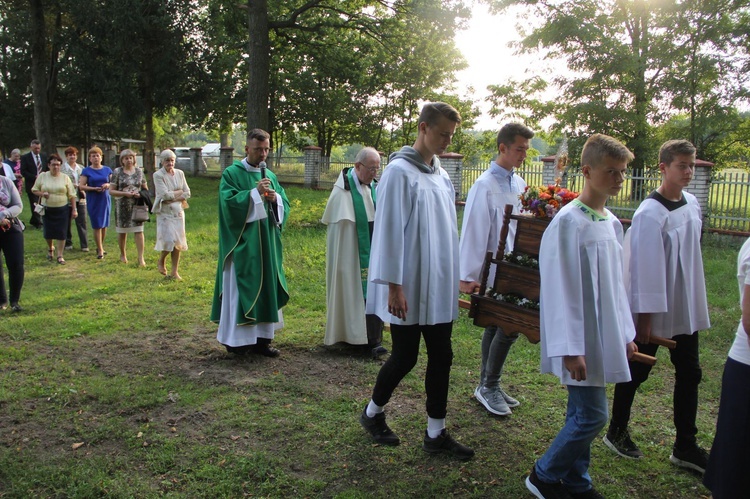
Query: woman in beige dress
point(57, 193)
point(172, 193)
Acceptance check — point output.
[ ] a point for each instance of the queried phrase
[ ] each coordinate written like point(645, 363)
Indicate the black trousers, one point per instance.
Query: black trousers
point(726, 475)
point(36, 219)
point(688, 375)
point(11, 246)
point(404, 354)
point(80, 221)
point(374, 330)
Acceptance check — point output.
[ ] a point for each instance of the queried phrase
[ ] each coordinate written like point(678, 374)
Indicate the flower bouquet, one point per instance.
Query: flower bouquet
point(545, 202)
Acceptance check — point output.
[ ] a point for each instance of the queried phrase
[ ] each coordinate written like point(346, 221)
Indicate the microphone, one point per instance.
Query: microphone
point(262, 166)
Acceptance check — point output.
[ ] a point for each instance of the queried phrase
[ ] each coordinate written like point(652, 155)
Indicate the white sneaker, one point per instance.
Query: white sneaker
point(508, 399)
point(493, 401)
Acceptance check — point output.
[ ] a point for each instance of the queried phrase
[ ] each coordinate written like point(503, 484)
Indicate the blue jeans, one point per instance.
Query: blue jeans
point(568, 456)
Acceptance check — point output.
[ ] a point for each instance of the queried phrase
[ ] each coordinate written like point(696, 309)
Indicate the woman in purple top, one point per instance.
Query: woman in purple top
point(95, 182)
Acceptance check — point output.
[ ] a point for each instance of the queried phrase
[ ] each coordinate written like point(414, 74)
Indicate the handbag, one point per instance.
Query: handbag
point(140, 213)
point(39, 209)
point(17, 225)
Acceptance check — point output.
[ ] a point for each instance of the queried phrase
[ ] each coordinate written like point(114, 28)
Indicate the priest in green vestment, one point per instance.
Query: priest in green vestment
point(250, 285)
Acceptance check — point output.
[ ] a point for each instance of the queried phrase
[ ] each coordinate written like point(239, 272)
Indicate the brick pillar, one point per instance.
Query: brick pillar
point(548, 172)
point(700, 185)
point(226, 157)
point(453, 164)
point(312, 165)
point(196, 161)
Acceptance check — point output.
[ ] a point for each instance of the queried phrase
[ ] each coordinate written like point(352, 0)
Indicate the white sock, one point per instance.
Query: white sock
point(435, 427)
point(373, 409)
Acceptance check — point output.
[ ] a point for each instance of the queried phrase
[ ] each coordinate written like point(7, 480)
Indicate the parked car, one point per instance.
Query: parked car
point(183, 159)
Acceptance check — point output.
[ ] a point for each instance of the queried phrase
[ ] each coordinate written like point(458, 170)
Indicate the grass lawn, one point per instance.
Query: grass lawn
point(112, 383)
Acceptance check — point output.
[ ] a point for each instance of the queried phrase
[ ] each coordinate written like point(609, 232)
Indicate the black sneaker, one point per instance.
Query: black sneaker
point(377, 351)
point(544, 490)
point(445, 443)
point(620, 443)
point(693, 459)
point(378, 428)
point(592, 493)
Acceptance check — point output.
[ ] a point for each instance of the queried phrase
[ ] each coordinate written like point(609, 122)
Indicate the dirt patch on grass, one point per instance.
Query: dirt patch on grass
point(287, 426)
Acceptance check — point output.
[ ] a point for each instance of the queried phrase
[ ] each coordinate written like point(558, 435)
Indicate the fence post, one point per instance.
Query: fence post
point(452, 163)
point(312, 165)
point(196, 160)
point(700, 185)
point(226, 157)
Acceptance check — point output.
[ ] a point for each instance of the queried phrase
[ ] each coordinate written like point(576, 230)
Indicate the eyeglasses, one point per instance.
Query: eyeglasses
point(374, 169)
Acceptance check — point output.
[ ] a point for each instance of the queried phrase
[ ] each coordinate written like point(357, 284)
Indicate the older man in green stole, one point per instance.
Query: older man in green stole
point(349, 214)
point(250, 285)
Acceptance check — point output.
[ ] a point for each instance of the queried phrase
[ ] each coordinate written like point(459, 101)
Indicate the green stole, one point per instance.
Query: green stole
point(363, 228)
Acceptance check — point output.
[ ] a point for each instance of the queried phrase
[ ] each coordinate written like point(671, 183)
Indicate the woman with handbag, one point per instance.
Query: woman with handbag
point(127, 182)
point(58, 196)
point(172, 193)
point(11, 243)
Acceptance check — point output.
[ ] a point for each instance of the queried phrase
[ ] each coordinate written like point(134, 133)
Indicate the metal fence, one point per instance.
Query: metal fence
point(728, 198)
point(728, 207)
point(291, 170)
point(288, 169)
point(532, 174)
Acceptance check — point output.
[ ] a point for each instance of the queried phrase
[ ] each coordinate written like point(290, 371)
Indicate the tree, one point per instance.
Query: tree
point(340, 85)
point(623, 58)
point(17, 125)
point(324, 21)
point(36, 39)
point(143, 57)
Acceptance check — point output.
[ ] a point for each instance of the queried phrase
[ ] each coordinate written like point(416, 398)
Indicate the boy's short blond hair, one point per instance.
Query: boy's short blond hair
point(676, 147)
point(600, 146)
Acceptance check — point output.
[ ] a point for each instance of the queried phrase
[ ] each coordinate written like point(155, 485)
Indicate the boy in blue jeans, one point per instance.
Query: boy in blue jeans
point(586, 327)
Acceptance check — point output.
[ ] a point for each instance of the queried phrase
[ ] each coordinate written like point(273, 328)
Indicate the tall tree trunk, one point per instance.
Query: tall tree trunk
point(225, 133)
point(40, 80)
point(258, 64)
point(148, 151)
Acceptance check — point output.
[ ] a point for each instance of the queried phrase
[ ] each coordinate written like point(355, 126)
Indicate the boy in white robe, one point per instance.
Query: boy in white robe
point(413, 276)
point(483, 217)
point(586, 328)
point(667, 295)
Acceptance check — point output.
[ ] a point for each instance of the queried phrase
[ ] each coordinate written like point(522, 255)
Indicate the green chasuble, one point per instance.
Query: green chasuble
point(255, 248)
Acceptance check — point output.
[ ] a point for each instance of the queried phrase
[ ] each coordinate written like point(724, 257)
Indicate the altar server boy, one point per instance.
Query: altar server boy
point(586, 328)
point(667, 295)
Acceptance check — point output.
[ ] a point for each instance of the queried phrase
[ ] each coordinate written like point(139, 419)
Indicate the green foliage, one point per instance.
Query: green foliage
point(630, 66)
point(367, 74)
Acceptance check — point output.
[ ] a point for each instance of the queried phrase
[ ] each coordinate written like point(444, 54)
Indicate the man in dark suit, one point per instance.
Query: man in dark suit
point(33, 163)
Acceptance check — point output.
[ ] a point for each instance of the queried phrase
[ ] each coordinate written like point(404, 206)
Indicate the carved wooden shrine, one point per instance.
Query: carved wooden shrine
point(522, 281)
